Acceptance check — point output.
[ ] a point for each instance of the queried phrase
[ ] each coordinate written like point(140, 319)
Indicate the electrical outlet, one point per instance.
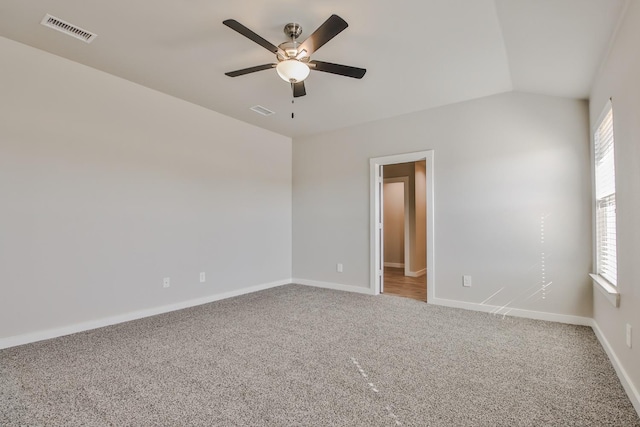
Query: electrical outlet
point(339, 268)
point(166, 282)
point(466, 281)
point(628, 335)
point(202, 277)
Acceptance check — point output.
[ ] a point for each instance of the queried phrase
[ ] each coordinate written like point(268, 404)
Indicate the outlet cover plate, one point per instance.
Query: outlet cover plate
point(466, 281)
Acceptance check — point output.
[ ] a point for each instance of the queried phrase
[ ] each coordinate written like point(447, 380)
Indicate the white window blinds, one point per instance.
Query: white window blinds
point(605, 197)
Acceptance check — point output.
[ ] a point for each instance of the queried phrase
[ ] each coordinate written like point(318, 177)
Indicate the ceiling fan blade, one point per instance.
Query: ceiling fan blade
point(298, 89)
point(250, 70)
point(342, 70)
point(235, 25)
point(325, 32)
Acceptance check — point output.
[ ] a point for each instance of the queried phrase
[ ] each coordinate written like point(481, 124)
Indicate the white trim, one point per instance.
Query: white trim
point(418, 273)
point(374, 164)
point(334, 286)
point(394, 264)
point(625, 380)
point(126, 317)
point(374, 220)
point(607, 289)
point(516, 312)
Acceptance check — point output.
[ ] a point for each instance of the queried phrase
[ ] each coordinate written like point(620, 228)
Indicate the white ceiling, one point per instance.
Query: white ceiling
point(418, 54)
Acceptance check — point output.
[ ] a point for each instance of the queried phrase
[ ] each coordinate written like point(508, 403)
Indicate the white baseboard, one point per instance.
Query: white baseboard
point(112, 320)
point(626, 382)
point(394, 264)
point(517, 312)
point(335, 286)
point(418, 273)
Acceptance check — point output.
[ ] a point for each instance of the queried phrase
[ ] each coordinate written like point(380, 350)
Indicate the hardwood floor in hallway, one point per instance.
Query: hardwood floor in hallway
point(396, 283)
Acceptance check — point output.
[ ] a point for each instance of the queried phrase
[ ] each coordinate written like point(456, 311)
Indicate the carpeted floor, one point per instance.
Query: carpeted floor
point(296, 355)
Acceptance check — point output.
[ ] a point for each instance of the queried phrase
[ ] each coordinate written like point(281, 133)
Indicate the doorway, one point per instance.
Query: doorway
point(404, 243)
point(402, 222)
point(397, 233)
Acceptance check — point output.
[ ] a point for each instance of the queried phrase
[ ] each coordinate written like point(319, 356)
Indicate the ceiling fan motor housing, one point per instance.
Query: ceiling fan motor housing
point(291, 49)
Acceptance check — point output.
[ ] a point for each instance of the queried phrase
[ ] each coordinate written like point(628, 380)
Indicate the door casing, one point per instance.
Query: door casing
point(375, 220)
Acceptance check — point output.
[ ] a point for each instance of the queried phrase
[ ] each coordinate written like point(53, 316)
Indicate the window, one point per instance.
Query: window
point(605, 194)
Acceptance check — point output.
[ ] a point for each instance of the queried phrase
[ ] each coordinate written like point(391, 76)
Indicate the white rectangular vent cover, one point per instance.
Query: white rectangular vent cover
point(67, 28)
point(261, 110)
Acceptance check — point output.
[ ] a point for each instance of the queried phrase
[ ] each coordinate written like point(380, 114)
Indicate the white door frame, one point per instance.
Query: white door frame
point(407, 245)
point(376, 269)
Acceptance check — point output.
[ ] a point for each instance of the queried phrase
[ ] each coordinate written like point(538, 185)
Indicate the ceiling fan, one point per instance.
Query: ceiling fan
point(294, 58)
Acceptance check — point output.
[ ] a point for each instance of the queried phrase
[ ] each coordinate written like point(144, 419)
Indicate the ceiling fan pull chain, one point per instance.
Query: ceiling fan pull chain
point(293, 99)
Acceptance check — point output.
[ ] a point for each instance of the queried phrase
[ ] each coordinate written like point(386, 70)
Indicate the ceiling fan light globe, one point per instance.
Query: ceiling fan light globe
point(292, 71)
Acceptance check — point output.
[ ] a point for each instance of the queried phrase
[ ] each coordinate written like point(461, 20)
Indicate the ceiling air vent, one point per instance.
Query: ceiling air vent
point(261, 110)
point(67, 28)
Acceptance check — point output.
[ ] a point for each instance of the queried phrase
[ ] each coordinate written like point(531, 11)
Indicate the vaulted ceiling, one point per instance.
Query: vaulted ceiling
point(418, 54)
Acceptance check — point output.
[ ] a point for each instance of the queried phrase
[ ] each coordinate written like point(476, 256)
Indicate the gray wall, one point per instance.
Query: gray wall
point(619, 80)
point(107, 187)
point(501, 163)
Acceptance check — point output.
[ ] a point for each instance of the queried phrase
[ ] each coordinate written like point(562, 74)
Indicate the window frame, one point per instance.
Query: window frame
point(602, 278)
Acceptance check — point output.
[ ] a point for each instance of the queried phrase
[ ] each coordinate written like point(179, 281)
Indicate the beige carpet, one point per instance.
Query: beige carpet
point(302, 356)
